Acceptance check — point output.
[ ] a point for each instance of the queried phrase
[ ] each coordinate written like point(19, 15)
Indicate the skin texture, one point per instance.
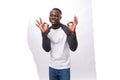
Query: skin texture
point(54, 18)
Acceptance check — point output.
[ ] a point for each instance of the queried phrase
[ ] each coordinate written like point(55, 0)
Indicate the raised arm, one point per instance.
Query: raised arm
point(44, 31)
point(71, 38)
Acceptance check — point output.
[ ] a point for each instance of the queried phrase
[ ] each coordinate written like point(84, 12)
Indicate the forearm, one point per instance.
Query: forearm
point(72, 41)
point(46, 42)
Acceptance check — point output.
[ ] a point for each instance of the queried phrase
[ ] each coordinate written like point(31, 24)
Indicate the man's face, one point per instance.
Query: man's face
point(55, 17)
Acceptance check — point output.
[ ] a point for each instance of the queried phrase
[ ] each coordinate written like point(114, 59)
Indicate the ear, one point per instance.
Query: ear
point(60, 17)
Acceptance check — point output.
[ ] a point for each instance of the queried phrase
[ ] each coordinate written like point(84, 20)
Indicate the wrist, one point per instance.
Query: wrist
point(73, 32)
point(44, 33)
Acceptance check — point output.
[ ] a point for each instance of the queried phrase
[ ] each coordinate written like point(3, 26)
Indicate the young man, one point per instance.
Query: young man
point(59, 40)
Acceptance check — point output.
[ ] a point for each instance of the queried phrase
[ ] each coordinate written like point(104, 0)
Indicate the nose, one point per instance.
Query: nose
point(53, 17)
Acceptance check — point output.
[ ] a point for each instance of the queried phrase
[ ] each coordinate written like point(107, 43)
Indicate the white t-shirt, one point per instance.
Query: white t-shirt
point(60, 52)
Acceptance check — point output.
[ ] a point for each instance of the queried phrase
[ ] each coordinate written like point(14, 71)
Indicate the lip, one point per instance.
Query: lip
point(53, 21)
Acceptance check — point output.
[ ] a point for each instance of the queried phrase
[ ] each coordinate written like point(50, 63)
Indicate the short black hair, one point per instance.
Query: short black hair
point(58, 10)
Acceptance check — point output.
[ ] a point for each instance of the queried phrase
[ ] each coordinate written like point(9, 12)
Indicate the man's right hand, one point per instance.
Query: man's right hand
point(42, 26)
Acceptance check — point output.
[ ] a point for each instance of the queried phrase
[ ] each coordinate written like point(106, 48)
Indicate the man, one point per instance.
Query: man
point(58, 40)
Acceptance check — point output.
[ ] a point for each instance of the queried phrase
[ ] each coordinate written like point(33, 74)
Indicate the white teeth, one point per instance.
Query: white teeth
point(53, 21)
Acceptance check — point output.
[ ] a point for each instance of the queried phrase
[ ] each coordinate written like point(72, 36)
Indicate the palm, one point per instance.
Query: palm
point(72, 25)
point(42, 26)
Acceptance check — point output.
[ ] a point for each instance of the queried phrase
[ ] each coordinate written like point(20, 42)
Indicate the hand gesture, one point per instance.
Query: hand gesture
point(72, 25)
point(42, 26)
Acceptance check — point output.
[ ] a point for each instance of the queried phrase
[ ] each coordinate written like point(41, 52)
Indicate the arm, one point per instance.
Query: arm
point(72, 41)
point(44, 30)
point(71, 38)
point(46, 42)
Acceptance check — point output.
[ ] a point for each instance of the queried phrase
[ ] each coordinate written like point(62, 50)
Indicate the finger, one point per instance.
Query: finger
point(37, 25)
point(37, 22)
point(40, 20)
point(45, 24)
point(75, 19)
point(70, 23)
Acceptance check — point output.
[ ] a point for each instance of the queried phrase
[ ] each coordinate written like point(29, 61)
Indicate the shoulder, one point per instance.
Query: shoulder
point(65, 29)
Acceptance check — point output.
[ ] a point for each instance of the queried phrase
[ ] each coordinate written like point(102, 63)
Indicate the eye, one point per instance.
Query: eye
point(51, 15)
point(54, 15)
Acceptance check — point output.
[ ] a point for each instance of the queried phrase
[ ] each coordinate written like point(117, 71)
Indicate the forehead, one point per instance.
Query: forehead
point(54, 12)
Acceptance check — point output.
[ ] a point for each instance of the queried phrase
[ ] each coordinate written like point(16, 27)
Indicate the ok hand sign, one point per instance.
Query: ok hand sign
point(72, 25)
point(42, 26)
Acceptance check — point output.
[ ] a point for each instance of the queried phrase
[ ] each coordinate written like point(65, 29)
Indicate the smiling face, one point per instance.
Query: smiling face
point(55, 17)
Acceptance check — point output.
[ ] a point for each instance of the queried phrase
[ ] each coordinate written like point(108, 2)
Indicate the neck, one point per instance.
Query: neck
point(56, 26)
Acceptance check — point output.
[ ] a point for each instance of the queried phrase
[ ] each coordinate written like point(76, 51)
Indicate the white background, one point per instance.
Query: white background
point(83, 59)
point(16, 61)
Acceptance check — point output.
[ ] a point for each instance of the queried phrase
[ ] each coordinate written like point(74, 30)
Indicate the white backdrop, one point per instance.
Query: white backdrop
point(16, 59)
point(83, 60)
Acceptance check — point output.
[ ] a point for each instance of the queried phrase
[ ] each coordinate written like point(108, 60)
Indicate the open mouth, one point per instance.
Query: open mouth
point(53, 21)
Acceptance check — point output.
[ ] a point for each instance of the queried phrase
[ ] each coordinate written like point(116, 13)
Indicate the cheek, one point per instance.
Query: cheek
point(58, 18)
point(50, 18)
